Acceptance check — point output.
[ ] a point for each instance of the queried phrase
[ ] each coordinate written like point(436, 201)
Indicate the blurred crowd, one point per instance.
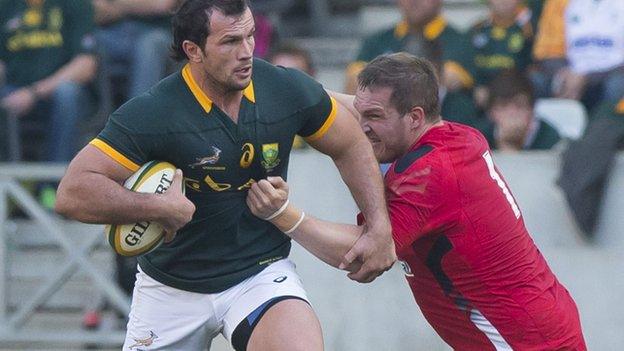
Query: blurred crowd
point(65, 65)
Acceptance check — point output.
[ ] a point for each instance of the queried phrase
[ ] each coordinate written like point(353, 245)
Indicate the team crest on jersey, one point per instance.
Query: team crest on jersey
point(144, 342)
point(406, 268)
point(516, 42)
point(208, 160)
point(269, 156)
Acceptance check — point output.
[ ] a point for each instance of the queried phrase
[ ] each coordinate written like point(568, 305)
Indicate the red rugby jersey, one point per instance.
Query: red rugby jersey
point(475, 272)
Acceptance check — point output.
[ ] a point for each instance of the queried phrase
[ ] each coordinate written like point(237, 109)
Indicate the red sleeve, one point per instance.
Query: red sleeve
point(411, 204)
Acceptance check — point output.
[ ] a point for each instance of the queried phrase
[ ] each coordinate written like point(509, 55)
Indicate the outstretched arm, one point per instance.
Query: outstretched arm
point(326, 240)
point(353, 155)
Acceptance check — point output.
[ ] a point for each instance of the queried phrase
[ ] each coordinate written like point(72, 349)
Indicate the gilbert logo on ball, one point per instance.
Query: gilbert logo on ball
point(139, 238)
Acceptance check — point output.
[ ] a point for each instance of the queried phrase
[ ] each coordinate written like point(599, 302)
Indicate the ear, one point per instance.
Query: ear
point(416, 117)
point(193, 51)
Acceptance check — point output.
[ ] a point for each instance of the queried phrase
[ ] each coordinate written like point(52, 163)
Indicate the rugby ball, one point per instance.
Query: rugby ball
point(142, 237)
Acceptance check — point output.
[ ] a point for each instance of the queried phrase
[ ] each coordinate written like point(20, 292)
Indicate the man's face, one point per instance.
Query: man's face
point(504, 8)
point(227, 55)
point(386, 129)
point(292, 61)
point(419, 12)
point(517, 110)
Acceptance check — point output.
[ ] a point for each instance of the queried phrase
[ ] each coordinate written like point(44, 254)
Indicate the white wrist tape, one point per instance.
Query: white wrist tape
point(294, 227)
point(278, 212)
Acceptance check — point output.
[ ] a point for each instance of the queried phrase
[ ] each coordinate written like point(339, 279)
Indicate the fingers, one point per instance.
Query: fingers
point(278, 183)
point(348, 258)
point(169, 235)
point(267, 189)
point(177, 180)
point(363, 276)
point(261, 193)
point(254, 204)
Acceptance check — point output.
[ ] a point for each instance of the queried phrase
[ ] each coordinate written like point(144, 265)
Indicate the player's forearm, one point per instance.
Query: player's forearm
point(360, 171)
point(93, 198)
point(326, 240)
point(81, 69)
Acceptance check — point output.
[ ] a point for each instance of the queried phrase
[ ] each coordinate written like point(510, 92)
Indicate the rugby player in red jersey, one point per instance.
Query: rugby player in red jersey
point(475, 272)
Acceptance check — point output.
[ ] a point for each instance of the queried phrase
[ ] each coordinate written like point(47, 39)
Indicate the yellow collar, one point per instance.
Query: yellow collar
point(432, 30)
point(202, 98)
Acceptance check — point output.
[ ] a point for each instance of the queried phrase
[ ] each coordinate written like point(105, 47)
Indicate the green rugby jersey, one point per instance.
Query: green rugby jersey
point(39, 37)
point(499, 47)
point(545, 138)
point(455, 50)
point(176, 122)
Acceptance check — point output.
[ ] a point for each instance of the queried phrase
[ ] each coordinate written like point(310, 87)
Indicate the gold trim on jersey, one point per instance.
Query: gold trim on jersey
point(432, 30)
point(464, 76)
point(328, 123)
point(202, 98)
point(249, 92)
point(619, 108)
point(114, 154)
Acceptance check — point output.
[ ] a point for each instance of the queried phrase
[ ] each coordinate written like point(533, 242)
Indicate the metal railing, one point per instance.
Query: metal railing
point(13, 321)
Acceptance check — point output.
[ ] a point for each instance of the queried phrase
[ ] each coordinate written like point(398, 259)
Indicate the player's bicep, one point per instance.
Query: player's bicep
point(92, 160)
point(344, 132)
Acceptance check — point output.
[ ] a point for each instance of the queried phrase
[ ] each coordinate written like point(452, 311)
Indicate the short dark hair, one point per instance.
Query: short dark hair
point(290, 48)
point(507, 85)
point(192, 21)
point(413, 80)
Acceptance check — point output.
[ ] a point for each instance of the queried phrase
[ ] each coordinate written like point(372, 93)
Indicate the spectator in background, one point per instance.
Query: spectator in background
point(536, 7)
point(422, 26)
point(580, 49)
point(511, 108)
point(134, 37)
point(47, 49)
point(586, 165)
point(503, 41)
point(292, 56)
point(455, 105)
point(265, 35)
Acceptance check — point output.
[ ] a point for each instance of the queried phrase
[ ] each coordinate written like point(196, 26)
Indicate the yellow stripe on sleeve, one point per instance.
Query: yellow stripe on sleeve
point(328, 123)
point(114, 154)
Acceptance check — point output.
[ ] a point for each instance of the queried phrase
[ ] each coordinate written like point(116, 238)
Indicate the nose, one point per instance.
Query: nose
point(247, 49)
point(364, 125)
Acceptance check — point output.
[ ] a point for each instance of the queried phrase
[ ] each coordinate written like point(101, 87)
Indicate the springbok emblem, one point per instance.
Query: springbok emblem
point(208, 160)
point(145, 342)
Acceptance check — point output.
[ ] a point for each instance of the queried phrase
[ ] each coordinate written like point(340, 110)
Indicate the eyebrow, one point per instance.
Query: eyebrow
point(373, 109)
point(236, 35)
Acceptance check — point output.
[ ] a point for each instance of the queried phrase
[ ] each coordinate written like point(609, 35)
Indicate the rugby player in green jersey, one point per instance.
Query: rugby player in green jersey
point(226, 120)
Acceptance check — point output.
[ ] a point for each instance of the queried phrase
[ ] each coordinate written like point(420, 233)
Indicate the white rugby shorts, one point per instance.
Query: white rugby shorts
point(166, 318)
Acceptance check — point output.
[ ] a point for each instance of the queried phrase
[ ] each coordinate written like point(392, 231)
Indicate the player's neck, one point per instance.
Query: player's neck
point(418, 134)
point(227, 100)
